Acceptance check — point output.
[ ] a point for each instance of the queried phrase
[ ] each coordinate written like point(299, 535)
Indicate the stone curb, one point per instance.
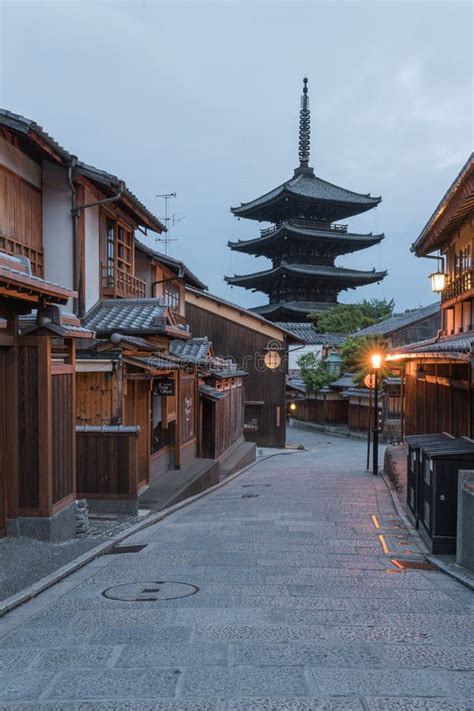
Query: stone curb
point(44, 583)
point(454, 571)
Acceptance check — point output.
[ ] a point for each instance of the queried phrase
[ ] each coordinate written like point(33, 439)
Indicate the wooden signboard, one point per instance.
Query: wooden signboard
point(164, 387)
point(369, 381)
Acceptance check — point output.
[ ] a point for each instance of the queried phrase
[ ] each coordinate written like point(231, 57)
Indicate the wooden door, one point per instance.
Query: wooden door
point(3, 443)
point(137, 412)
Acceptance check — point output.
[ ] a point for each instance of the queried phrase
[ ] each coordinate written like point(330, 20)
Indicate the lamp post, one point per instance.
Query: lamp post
point(376, 364)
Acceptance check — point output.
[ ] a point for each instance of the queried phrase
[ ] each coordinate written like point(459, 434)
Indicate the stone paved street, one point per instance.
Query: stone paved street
point(278, 595)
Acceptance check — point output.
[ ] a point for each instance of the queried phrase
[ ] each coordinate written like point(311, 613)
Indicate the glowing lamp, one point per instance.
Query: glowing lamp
point(376, 359)
point(438, 282)
point(292, 407)
point(272, 360)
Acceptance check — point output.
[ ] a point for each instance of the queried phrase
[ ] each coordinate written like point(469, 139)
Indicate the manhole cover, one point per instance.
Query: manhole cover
point(249, 496)
point(150, 591)
point(412, 564)
point(247, 486)
point(125, 549)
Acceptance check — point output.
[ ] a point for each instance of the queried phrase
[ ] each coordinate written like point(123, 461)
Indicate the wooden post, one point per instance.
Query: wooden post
point(45, 452)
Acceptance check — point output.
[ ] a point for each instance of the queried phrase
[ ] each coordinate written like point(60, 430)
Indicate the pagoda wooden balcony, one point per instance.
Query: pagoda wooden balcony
point(117, 283)
point(305, 224)
point(458, 287)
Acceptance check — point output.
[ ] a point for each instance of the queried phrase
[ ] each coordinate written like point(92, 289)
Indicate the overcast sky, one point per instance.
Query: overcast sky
point(202, 99)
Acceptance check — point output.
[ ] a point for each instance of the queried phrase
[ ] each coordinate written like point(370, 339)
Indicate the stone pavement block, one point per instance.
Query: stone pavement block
point(461, 683)
point(16, 659)
point(168, 654)
point(19, 687)
point(120, 684)
point(368, 682)
point(326, 617)
point(181, 705)
point(91, 657)
point(148, 614)
point(418, 656)
point(298, 704)
point(245, 681)
point(400, 703)
point(296, 603)
point(233, 616)
point(308, 654)
point(381, 634)
point(38, 638)
point(142, 635)
point(262, 633)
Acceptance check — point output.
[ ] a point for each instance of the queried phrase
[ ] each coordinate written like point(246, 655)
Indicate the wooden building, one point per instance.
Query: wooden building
point(438, 371)
point(258, 347)
point(304, 239)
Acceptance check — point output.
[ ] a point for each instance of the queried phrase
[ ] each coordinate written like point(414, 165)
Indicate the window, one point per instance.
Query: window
point(110, 247)
point(171, 294)
point(118, 247)
point(160, 437)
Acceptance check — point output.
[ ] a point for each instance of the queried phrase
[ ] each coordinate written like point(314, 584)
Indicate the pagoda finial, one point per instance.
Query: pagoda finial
point(305, 127)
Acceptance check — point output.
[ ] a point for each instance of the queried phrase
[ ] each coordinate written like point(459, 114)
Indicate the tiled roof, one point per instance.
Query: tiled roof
point(345, 381)
point(317, 270)
point(399, 321)
point(296, 307)
point(348, 241)
point(174, 264)
point(307, 333)
point(130, 316)
point(196, 350)
point(23, 125)
point(309, 186)
point(151, 362)
point(15, 271)
point(211, 393)
point(462, 344)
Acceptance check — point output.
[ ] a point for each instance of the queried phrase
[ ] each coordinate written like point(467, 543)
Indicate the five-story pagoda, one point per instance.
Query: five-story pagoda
point(304, 242)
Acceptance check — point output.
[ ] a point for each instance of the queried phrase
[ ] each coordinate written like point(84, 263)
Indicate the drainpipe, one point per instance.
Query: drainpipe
point(75, 247)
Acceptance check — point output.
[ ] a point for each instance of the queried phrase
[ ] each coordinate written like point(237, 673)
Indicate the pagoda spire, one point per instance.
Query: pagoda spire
point(305, 127)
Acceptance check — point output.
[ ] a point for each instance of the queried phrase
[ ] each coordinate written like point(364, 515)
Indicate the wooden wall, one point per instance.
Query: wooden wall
point(3, 441)
point(263, 387)
point(439, 399)
point(63, 435)
point(329, 412)
point(106, 464)
point(98, 400)
point(187, 392)
point(222, 422)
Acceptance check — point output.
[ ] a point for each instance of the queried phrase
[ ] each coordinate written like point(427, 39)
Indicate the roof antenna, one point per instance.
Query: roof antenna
point(167, 219)
point(305, 127)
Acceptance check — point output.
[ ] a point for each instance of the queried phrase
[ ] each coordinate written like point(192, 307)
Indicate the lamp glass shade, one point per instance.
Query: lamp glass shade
point(376, 359)
point(438, 282)
point(272, 360)
point(292, 406)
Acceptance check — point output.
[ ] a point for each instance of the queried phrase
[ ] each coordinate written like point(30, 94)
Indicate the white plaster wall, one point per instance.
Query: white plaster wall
point(13, 159)
point(57, 226)
point(294, 355)
point(92, 255)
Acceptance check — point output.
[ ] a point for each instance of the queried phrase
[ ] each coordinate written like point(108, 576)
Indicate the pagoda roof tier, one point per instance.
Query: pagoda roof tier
point(294, 311)
point(339, 240)
point(341, 278)
point(306, 195)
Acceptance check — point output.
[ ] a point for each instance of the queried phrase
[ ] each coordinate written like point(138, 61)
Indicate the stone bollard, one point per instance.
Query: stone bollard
point(465, 523)
point(82, 518)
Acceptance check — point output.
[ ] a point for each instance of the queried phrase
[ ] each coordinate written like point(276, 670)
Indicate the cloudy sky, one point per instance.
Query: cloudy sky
point(202, 99)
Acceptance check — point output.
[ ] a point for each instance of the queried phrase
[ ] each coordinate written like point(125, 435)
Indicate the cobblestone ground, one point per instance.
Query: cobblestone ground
point(277, 595)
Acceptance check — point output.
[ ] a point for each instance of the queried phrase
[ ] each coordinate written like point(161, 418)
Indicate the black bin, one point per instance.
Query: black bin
point(440, 464)
point(415, 442)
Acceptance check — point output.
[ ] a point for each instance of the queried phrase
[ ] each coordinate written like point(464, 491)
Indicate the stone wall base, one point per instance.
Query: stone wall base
point(58, 528)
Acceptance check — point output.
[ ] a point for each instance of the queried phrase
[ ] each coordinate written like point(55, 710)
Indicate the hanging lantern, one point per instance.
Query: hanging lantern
point(438, 282)
point(272, 360)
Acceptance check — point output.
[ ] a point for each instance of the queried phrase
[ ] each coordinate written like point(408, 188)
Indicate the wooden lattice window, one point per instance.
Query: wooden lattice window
point(124, 240)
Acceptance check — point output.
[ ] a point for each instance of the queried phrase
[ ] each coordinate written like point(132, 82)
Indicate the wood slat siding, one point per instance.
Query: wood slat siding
point(331, 412)
point(97, 398)
point(3, 443)
point(106, 465)
point(438, 404)
point(247, 347)
point(28, 430)
point(227, 421)
point(63, 433)
point(20, 212)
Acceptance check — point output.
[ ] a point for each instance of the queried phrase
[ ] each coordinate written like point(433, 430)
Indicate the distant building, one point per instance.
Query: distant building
point(304, 241)
point(408, 327)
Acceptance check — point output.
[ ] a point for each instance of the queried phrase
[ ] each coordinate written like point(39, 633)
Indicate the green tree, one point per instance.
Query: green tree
point(356, 352)
point(349, 318)
point(315, 371)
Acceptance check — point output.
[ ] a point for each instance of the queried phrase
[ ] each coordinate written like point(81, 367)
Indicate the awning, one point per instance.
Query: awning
point(151, 363)
point(209, 393)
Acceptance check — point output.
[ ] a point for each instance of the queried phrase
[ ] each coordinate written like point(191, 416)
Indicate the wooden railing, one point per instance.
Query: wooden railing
point(116, 282)
point(180, 320)
point(458, 286)
point(305, 224)
point(18, 249)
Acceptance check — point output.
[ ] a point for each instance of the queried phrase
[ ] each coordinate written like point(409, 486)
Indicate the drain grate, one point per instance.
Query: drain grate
point(125, 549)
point(247, 486)
point(412, 564)
point(249, 496)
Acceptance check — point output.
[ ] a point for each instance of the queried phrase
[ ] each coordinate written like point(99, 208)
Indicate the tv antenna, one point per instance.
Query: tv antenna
point(168, 220)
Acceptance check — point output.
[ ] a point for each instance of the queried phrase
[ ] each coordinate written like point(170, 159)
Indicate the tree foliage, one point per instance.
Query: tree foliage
point(315, 371)
point(349, 318)
point(356, 352)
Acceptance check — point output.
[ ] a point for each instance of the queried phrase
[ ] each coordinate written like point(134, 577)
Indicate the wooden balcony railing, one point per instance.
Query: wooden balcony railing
point(458, 286)
point(18, 249)
point(116, 282)
point(308, 224)
point(180, 320)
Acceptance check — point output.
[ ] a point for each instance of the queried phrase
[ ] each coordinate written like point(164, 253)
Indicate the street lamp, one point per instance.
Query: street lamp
point(438, 281)
point(376, 360)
